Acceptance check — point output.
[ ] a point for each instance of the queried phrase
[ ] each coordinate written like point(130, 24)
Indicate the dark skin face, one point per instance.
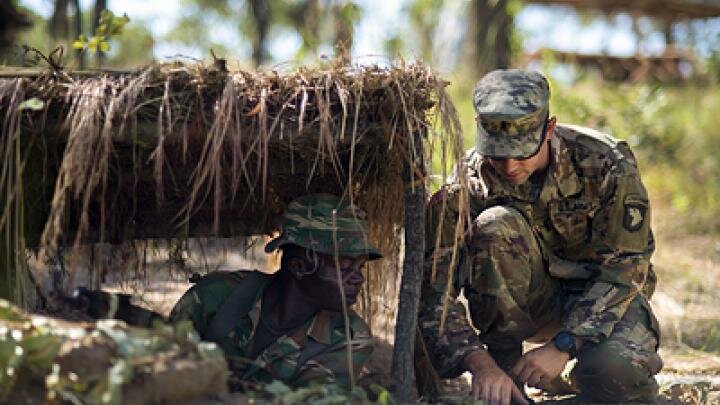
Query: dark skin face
point(308, 283)
point(324, 285)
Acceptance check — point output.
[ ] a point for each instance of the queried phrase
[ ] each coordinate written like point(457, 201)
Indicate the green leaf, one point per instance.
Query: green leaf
point(34, 104)
point(277, 388)
point(104, 46)
point(79, 45)
point(383, 397)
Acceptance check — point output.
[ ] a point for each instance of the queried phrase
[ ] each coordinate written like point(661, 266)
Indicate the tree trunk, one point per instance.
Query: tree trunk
point(344, 14)
point(79, 54)
point(11, 22)
point(59, 24)
point(100, 5)
point(490, 28)
point(261, 16)
point(402, 375)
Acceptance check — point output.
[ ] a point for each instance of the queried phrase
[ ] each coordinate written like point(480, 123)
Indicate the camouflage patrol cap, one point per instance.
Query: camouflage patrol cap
point(511, 109)
point(314, 220)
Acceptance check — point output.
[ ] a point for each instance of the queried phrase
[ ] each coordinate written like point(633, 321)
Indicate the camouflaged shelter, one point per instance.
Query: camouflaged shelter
point(175, 151)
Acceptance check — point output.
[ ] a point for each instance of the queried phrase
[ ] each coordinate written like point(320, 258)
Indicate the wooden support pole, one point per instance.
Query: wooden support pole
point(7, 262)
point(402, 373)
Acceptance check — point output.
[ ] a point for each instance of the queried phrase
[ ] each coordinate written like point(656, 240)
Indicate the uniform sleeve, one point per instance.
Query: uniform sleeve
point(622, 244)
point(190, 307)
point(447, 349)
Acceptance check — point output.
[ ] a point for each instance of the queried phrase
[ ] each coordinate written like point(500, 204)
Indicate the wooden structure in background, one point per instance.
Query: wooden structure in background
point(672, 65)
point(672, 10)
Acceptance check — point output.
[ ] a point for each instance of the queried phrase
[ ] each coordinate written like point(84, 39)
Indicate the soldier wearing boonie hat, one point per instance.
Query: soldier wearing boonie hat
point(325, 224)
point(290, 325)
point(558, 253)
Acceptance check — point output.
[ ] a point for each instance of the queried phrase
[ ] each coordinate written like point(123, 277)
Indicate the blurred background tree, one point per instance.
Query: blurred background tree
point(646, 71)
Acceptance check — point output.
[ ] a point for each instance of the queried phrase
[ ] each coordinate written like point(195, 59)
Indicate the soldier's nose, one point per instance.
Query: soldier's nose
point(511, 165)
point(355, 276)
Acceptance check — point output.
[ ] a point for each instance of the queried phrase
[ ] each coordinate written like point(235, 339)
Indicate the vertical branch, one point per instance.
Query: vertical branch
point(78, 30)
point(262, 18)
point(409, 297)
point(346, 315)
point(100, 6)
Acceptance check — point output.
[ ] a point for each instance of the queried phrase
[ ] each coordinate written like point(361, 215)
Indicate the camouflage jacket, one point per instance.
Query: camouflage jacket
point(317, 351)
point(591, 217)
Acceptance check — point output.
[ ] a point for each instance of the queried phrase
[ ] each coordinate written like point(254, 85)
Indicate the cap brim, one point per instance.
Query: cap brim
point(274, 244)
point(371, 251)
point(499, 147)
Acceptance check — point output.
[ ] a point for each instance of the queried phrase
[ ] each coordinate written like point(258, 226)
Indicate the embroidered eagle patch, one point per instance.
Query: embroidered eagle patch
point(634, 216)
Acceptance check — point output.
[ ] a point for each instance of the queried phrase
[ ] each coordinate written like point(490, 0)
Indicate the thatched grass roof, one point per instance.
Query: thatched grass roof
point(179, 150)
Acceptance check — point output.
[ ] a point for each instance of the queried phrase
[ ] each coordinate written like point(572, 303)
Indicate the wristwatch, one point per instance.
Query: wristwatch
point(565, 342)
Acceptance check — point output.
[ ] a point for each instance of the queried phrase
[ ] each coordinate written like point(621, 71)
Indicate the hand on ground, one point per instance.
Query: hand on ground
point(540, 366)
point(490, 384)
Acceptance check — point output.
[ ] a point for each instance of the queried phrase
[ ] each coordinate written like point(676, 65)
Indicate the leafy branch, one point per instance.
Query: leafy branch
point(109, 26)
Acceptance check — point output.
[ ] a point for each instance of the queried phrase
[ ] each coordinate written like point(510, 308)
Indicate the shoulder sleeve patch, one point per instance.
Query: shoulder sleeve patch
point(634, 213)
point(624, 220)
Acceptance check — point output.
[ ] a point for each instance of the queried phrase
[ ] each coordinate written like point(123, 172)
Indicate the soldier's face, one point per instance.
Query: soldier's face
point(518, 171)
point(351, 275)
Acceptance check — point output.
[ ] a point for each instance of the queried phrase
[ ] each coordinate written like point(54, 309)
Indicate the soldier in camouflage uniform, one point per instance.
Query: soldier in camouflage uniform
point(290, 325)
point(557, 249)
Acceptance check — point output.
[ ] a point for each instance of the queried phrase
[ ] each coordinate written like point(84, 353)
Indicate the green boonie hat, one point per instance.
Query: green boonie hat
point(512, 109)
point(314, 220)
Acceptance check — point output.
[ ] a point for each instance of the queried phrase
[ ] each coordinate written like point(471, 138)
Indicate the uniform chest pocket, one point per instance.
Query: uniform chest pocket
point(571, 219)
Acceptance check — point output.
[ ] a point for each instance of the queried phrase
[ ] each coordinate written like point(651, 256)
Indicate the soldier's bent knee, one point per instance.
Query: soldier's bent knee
point(604, 374)
point(501, 221)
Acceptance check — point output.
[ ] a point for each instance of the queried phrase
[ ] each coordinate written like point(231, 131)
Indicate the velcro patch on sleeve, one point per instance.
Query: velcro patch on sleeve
point(634, 213)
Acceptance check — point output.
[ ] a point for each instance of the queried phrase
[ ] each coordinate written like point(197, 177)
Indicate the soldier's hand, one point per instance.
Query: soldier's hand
point(540, 366)
point(490, 384)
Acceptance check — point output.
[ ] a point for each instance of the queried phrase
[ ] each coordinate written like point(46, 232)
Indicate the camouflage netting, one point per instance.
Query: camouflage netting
point(178, 150)
point(45, 360)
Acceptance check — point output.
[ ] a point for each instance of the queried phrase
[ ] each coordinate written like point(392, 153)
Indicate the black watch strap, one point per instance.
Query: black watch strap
point(565, 342)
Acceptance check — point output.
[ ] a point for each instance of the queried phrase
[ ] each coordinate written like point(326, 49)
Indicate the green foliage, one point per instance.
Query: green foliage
point(671, 131)
point(33, 103)
point(109, 26)
point(31, 347)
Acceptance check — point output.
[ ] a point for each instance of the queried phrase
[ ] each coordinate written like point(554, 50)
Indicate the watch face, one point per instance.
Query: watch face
point(564, 342)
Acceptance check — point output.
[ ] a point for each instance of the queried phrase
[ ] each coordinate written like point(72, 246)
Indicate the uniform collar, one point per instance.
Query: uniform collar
point(562, 168)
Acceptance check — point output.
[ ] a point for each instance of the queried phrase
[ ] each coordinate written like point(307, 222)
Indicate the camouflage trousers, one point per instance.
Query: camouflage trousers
point(513, 298)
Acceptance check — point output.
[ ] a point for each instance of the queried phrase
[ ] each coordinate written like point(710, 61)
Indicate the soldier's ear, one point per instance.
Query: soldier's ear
point(551, 123)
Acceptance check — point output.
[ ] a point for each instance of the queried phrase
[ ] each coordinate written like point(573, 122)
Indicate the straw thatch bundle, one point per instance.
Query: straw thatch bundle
point(179, 150)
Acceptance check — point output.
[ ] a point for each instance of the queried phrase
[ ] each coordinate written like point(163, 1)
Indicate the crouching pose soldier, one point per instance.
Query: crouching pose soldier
point(557, 250)
point(290, 325)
